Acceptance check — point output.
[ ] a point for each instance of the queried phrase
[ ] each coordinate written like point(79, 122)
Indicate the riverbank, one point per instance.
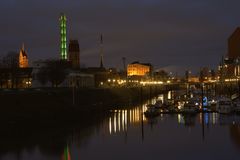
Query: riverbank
point(54, 105)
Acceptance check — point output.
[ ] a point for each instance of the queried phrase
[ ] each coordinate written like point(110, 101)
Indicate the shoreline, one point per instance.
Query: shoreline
point(54, 105)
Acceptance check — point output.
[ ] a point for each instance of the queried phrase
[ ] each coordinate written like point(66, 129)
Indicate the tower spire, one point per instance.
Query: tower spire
point(63, 36)
point(23, 47)
point(23, 58)
point(101, 51)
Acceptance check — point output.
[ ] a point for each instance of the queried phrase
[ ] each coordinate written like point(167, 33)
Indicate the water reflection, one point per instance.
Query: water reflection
point(235, 134)
point(66, 154)
point(128, 131)
point(119, 120)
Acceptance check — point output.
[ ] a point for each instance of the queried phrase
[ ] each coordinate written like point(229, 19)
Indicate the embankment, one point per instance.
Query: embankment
point(60, 104)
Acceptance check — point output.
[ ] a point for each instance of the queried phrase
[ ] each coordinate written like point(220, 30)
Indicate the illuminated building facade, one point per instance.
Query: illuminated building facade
point(229, 67)
point(74, 53)
point(234, 45)
point(23, 58)
point(63, 37)
point(138, 69)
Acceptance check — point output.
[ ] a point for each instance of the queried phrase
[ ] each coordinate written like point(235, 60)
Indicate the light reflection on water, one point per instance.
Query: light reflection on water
point(127, 133)
point(119, 120)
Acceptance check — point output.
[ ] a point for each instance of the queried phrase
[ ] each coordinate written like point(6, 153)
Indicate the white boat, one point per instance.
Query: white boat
point(168, 103)
point(158, 104)
point(152, 112)
point(224, 105)
point(190, 107)
point(236, 105)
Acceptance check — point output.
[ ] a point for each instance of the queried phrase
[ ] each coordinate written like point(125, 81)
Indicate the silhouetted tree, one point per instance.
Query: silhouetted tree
point(10, 60)
point(54, 71)
point(9, 63)
point(42, 75)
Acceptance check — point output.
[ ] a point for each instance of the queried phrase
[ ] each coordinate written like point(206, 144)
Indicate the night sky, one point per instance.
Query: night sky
point(186, 34)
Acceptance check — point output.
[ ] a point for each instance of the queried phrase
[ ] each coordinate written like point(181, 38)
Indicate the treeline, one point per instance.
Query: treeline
point(12, 76)
point(53, 71)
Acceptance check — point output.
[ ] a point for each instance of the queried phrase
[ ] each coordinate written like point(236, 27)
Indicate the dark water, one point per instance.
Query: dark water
point(126, 134)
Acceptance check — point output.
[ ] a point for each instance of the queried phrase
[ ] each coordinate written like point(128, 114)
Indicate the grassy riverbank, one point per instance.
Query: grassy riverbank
point(55, 105)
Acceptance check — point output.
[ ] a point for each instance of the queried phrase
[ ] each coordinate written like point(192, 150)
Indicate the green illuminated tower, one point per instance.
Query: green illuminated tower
point(63, 33)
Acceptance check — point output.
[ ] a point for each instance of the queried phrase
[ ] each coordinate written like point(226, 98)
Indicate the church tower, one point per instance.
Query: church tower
point(74, 53)
point(23, 58)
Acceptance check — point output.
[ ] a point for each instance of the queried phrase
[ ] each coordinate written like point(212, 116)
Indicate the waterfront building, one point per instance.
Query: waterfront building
point(207, 75)
point(63, 37)
point(139, 69)
point(81, 80)
point(161, 75)
point(23, 58)
point(15, 77)
point(100, 74)
point(74, 54)
point(233, 45)
point(14, 71)
point(229, 68)
point(37, 65)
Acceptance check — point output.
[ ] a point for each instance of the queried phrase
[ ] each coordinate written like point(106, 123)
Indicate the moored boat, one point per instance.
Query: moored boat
point(152, 112)
point(190, 108)
point(224, 105)
point(236, 105)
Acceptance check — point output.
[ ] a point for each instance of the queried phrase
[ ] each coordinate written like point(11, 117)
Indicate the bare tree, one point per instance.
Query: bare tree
point(9, 66)
point(54, 72)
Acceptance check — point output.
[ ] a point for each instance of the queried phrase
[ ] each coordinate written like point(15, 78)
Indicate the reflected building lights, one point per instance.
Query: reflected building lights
point(66, 154)
point(206, 118)
point(214, 118)
point(123, 120)
point(126, 120)
point(200, 118)
point(209, 118)
point(130, 116)
point(161, 115)
point(169, 96)
point(115, 123)
point(110, 125)
point(180, 119)
point(120, 120)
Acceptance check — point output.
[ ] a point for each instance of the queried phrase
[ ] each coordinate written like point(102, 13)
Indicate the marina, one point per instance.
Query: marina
point(119, 80)
point(128, 133)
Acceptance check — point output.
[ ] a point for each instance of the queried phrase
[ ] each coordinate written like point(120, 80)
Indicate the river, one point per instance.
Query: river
point(127, 134)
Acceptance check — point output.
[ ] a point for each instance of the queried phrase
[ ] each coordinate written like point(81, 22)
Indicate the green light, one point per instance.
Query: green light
point(63, 32)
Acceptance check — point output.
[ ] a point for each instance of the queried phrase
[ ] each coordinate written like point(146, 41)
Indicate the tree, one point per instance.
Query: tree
point(54, 71)
point(9, 64)
point(10, 60)
point(42, 75)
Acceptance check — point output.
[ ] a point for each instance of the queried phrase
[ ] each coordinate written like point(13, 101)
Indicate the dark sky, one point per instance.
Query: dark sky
point(167, 33)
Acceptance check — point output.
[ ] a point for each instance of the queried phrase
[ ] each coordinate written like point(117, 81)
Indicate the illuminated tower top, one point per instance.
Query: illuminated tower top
point(63, 36)
point(23, 58)
point(101, 51)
